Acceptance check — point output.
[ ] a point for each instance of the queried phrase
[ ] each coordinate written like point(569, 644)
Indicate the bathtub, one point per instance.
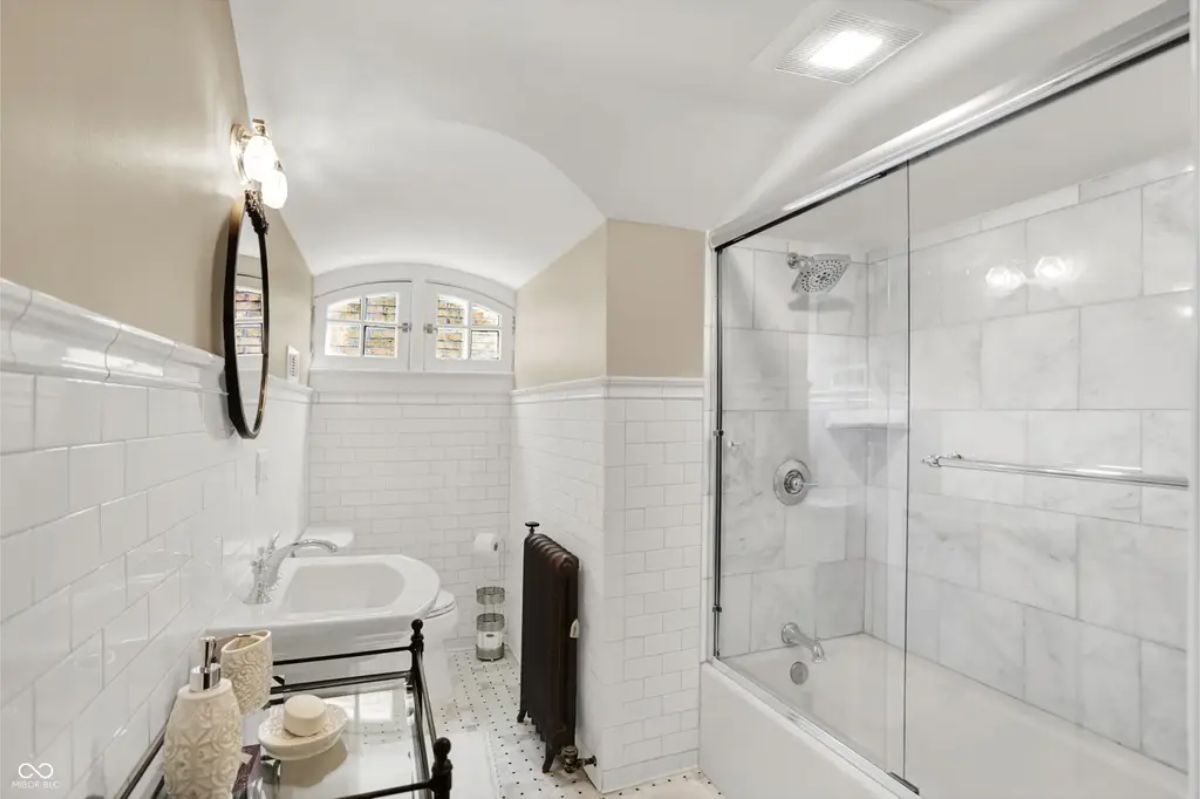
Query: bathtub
point(962, 738)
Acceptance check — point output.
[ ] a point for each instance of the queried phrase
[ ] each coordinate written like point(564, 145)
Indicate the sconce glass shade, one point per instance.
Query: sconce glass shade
point(275, 188)
point(259, 158)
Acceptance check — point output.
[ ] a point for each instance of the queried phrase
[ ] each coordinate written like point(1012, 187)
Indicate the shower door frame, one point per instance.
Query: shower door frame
point(1140, 38)
point(1161, 28)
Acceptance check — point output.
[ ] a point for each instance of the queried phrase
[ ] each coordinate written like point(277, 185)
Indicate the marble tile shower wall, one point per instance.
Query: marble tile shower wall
point(795, 371)
point(1067, 595)
point(129, 513)
point(612, 469)
point(418, 474)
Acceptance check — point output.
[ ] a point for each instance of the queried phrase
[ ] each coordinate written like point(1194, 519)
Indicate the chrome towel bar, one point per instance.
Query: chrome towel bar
point(1100, 474)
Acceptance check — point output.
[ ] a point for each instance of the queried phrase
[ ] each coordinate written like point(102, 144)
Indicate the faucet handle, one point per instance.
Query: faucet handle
point(264, 552)
point(270, 546)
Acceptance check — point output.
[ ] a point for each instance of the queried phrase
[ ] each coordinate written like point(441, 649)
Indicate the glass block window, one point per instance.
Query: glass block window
point(343, 339)
point(248, 320)
point(381, 308)
point(363, 327)
point(380, 342)
point(466, 331)
point(347, 309)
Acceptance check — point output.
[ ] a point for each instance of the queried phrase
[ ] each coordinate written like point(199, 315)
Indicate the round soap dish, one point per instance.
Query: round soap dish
point(282, 745)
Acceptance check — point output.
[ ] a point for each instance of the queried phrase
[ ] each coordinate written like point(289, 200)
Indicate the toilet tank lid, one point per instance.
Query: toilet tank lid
point(340, 535)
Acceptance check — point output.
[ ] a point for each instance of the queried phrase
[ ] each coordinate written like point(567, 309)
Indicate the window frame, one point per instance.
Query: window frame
point(403, 290)
point(472, 299)
point(417, 326)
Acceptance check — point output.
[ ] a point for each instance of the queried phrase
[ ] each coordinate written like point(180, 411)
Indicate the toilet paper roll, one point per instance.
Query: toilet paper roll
point(487, 546)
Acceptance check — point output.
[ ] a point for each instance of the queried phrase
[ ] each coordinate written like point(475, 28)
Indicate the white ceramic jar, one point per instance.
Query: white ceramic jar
point(246, 661)
point(202, 746)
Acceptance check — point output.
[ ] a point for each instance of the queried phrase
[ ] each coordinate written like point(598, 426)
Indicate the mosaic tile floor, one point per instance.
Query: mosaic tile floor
point(485, 702)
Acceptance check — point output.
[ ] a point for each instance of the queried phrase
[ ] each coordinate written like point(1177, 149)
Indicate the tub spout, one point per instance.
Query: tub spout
point(792, 635)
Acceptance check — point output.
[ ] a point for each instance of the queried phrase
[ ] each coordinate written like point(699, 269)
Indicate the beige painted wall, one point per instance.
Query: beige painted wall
point(561, 317)
point(117, 181)
point(291, 298)
point(655, 300)
point(627, 300)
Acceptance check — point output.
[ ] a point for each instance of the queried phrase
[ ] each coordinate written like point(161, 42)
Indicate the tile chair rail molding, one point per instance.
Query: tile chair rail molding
point(41, 334)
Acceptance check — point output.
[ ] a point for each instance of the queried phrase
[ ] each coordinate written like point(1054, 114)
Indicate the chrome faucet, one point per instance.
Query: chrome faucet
point(792, 635)
point(266, 566)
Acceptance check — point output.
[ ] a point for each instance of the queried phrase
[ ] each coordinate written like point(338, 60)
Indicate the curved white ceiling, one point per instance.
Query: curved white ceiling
point(491, 136)
point(428, 191)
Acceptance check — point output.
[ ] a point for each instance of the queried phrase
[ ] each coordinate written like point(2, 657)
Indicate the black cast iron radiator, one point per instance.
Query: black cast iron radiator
point(550, 607)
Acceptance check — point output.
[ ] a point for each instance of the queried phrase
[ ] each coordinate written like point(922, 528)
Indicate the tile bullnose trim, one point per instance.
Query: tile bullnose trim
point(14, 300)
point(408, 386)
point(190, 366)
point(656, 387)
point(61, 338)
point(585, 388)
point(41, 334)
point(614, 387)
point(137, 356)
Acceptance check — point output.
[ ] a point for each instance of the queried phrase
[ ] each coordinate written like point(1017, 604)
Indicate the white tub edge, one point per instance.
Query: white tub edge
point(752, 747)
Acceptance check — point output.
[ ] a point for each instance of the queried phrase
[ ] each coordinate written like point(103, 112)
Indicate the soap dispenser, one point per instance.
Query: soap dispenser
point(203, 744)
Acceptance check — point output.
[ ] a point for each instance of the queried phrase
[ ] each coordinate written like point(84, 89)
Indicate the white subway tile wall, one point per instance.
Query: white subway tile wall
point(129, 515)
point(415, 474)
point(654, 477)
point(558, 481)
point(613, 471)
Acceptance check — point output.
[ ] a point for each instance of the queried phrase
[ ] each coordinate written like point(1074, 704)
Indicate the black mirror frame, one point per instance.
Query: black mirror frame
point(246, 205)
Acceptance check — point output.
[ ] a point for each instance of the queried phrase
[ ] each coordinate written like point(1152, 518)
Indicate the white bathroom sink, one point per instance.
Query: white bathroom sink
point(343, 585)
point(341, 603)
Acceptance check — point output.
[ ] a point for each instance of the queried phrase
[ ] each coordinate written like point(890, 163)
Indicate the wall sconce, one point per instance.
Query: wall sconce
point(258, 164)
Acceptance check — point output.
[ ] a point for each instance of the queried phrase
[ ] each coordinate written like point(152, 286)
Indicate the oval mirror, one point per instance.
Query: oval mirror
point(247, 322)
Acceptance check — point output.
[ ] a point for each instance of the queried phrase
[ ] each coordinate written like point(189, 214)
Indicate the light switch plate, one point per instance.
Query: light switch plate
point(292, 365)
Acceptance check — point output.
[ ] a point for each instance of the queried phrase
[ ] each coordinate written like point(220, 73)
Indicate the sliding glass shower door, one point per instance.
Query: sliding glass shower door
point(955, 411)
point(1052, 321)
point(813, 337)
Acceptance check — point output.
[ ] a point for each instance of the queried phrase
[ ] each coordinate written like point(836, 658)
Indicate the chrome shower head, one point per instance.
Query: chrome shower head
point(817, 274)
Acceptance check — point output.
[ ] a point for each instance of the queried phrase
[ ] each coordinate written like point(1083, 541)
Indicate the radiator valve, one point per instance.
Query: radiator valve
point(571, 761)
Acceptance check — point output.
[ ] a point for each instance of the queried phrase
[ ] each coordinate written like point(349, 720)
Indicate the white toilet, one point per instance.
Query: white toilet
point(440, 624)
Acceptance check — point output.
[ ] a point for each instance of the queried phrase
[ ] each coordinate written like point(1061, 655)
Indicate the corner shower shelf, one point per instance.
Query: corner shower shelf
point(867, 419)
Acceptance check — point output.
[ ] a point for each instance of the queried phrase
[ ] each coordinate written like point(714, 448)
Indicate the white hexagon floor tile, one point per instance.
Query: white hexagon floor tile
point(483, 715)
